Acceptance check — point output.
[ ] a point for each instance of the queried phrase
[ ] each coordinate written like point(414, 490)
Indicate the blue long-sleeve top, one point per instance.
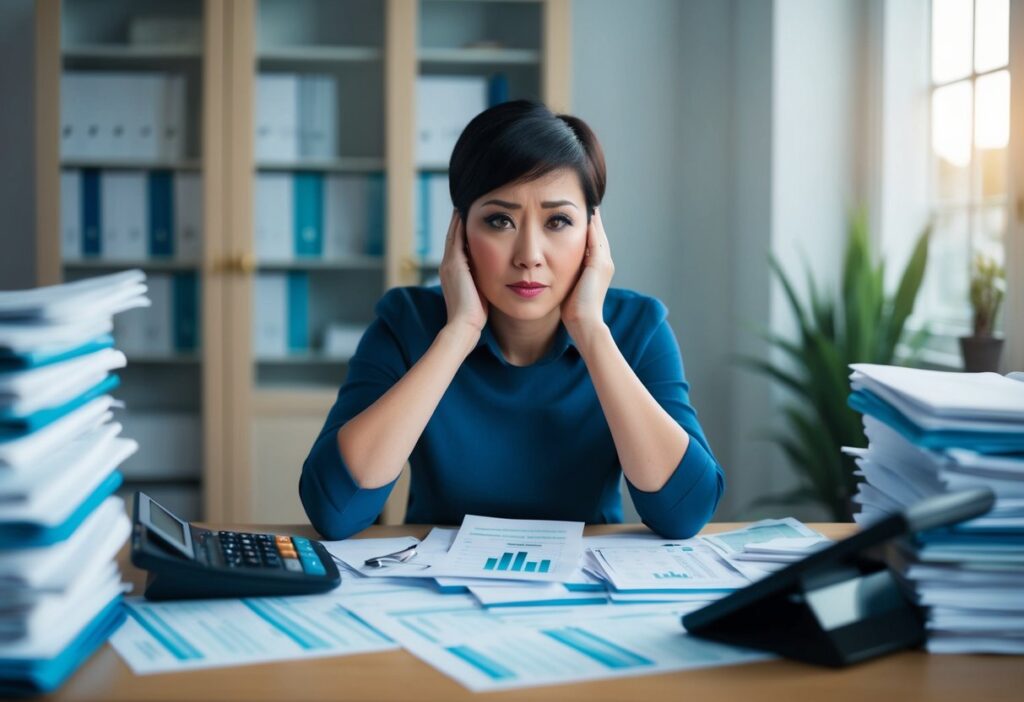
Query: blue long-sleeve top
point(525, 442)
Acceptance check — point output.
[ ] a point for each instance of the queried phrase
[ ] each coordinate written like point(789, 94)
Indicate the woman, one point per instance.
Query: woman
point(523, 385)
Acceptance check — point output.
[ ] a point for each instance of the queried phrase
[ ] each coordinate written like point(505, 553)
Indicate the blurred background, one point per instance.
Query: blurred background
point(804, 183)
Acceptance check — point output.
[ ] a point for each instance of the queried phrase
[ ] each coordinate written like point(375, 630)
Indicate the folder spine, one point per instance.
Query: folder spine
point(161, 214)
point(186, 311)
point(91, 215)
point(309, 212)
point(298, 311)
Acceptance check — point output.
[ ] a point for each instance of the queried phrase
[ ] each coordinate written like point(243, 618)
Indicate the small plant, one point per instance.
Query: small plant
point(988, 285)
point(861, 324)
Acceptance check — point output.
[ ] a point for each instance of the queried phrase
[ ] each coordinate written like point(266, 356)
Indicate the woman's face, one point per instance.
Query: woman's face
point(534, 231)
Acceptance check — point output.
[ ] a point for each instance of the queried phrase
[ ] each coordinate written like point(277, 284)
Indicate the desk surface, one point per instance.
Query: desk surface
point(398, 675)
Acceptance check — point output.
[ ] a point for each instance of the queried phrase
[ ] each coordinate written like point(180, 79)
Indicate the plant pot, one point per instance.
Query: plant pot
point(981, 353)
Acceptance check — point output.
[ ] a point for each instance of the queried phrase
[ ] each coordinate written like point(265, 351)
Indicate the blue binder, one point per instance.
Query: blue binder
point(309, 215)
point(15, 426)
point(10, 360)
point(21, 677)
point(298, 311)
point(18, 535)
point(497, 89)
point(161, 214)
point(91, 215)
point(186, 311)
point(423, 225)
point(377, 220)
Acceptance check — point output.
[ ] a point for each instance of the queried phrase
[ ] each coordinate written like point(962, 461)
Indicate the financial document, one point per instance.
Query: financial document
point(161, 637)
point(517, 549)
point(690, 565)
point(485, 650)
point(731, 543)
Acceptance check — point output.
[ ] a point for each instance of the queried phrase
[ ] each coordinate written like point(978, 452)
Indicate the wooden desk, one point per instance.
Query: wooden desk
point(398, 675)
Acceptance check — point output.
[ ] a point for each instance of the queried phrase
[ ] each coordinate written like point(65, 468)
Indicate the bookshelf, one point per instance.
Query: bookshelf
point(255, 403)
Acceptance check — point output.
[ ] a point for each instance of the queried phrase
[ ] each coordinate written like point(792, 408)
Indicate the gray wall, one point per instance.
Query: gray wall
point(17, 157)
point(659, 99)
point(731, 129)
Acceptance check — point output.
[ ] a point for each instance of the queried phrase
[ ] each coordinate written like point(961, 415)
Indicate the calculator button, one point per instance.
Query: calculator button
point(292, 565)
point(283, 540)
point(312, 565)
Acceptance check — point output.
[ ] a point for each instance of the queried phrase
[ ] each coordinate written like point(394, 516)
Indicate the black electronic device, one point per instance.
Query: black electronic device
point(840, 605)
point(185, 561)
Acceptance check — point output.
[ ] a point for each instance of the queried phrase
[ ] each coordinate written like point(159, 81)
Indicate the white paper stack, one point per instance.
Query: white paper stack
point(931, 432)
point(60, 524)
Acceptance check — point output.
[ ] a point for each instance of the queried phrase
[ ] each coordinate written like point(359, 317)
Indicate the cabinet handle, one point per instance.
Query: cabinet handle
point(246, 263)
point(410, 265)
point(240, 263)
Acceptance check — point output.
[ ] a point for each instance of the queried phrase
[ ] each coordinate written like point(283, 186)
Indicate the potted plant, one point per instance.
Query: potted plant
point(981, 350)
point(862, 322)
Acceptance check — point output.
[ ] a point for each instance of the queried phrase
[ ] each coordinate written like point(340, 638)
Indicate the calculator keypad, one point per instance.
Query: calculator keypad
point(293, 554)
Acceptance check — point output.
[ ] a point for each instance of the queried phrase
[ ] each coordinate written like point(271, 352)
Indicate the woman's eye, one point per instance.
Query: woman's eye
point(562, 220)
point(497, 221)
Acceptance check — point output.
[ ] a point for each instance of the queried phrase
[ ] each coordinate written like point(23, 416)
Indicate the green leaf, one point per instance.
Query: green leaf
point(787, 287)
point(906, 295)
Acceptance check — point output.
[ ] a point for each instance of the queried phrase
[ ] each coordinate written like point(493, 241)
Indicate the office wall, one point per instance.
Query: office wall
point(731, 129)
point(17, 162)
point(653, 80)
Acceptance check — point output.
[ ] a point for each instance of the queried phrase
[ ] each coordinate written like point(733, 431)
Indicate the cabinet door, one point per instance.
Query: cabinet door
point(129, 188)
point(316, 228)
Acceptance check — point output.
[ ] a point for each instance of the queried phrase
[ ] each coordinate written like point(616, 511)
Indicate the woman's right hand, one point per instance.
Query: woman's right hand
point(466, 305)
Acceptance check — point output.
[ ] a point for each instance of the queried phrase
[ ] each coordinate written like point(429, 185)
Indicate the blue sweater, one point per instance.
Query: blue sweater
point(526, 442)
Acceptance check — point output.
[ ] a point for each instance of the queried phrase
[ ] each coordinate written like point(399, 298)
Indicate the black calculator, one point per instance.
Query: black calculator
point(185, 561)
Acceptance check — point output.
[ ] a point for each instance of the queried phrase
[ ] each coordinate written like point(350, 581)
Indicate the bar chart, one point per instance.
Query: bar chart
point(517, 549)
point(517, 563)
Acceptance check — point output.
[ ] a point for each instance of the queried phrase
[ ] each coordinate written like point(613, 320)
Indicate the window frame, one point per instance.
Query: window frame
point(942, 350)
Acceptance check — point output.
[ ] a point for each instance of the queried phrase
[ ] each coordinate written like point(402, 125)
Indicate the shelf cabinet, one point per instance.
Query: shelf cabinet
point(296, 169)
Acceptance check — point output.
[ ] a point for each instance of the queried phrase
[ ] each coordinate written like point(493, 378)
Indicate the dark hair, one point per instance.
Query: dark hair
point(519, 141)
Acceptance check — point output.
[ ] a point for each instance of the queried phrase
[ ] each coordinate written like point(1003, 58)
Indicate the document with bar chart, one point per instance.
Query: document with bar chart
point(513, 549)
point(684, 566)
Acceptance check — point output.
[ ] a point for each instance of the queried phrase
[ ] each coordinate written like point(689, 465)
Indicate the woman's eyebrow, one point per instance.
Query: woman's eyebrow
point(516, 206)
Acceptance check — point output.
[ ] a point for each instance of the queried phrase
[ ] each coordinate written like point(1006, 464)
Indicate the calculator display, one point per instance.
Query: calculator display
point(171, 530)
point(168, 525)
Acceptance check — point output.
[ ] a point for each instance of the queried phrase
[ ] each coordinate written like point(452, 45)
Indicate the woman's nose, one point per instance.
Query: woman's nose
point(528, 252)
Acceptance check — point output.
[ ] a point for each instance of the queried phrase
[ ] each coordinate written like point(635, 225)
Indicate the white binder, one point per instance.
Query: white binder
point(274, 217)
point(188, 216)
point(71, 214)
point(125, 223)
point(270, 316)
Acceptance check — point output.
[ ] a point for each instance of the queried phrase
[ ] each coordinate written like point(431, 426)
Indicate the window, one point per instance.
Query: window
point(969, 139)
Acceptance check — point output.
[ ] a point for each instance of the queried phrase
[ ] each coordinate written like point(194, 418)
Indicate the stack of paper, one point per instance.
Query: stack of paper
point(931, 432)
point(60, 525)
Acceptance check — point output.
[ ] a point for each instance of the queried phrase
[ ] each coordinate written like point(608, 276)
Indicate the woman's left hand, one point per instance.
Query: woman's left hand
point(583, 308)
